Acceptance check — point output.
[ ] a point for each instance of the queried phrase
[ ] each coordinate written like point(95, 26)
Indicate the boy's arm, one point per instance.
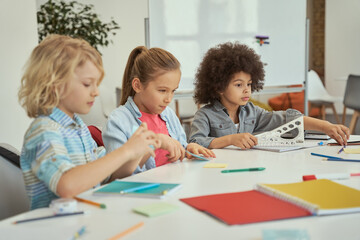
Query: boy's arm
point(124, 159)
point(221, 142)
point(267, 121)
point(336, 131)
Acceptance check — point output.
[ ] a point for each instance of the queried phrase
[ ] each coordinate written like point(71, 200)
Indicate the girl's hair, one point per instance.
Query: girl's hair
point(146, 64)
point(219, 65)
point(49, 69)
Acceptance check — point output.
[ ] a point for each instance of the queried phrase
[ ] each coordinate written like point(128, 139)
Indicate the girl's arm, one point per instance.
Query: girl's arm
point(336, 131)
point(197, 149)
point(125, 159)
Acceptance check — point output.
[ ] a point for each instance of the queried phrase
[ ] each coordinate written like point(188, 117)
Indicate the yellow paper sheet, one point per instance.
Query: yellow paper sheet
point(215, 165)
point(352, 150)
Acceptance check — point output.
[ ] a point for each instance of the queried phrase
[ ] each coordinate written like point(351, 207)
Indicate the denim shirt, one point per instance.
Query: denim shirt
point(119, 128)
point(213, 121)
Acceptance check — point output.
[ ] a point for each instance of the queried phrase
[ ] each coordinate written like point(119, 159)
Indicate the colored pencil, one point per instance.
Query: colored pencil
point(47, 217)
point(100, 205)
point(342, 160)
point(127, 231)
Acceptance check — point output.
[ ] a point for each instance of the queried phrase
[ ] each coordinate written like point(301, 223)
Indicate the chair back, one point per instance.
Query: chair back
point(316, 89)
point(352, 90)
point(13, 197)
point(96, 135)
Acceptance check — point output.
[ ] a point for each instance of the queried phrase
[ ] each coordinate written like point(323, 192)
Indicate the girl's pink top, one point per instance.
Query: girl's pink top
point(157, 125)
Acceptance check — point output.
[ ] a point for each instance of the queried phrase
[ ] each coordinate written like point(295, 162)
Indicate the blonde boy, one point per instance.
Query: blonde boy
point(59, 158)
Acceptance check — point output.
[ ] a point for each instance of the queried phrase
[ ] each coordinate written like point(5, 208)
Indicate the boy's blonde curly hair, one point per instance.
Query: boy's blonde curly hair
point(48, 70)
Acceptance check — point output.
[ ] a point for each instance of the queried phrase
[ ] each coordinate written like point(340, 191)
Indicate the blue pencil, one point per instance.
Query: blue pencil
point(342, 160)
point(143, 187)
point(325, 156)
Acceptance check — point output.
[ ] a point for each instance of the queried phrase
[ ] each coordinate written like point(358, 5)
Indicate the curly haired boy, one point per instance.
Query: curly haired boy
point(225, 79)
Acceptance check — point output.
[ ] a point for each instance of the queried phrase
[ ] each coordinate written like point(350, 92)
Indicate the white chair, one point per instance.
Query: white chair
point(13, 197)
point(318, 97)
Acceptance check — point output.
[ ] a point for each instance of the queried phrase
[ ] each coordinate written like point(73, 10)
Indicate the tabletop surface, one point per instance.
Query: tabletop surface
point(188, 223)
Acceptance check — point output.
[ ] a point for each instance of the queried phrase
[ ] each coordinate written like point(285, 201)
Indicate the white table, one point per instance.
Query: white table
point(188, 223)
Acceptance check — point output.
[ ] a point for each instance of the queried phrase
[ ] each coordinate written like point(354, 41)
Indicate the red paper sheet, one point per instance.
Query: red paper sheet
point(245, 207)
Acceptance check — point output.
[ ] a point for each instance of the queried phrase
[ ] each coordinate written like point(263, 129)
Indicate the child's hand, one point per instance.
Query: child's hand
point(143, 142)
point(243, 140)
point(175, 149)
point(197, 149)
point(338, 132)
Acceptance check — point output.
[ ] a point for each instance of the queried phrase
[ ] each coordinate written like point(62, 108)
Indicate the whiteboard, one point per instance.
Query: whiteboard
point(188, 28)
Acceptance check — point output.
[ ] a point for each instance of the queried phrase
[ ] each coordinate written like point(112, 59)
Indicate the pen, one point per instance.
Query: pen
point(100, 205)
point(46, 217)
point(79, 233)
point(143, 187)
point(243, 170)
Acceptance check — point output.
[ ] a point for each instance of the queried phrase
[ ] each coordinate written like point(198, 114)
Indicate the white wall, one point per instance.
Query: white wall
point(342, 49)
point(130, 15)
point(18, 38)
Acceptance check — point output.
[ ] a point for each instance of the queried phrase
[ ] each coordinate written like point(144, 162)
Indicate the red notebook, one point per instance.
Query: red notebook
point(245, 207)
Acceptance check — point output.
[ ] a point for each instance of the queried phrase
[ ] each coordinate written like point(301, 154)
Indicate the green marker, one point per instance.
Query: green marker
point(243, 170)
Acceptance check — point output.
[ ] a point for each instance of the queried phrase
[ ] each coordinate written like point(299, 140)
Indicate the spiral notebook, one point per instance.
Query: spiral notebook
point(320, 197)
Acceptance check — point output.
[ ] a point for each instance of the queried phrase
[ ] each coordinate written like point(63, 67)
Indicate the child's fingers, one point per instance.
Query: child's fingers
point(338, 139)
point(254, 140)
point(341, 134)
point(209, 153)
point(204, 152)
point(157, 143)
point(346, 131)
point(182, 151)
point(141, 128)
point(147, 134)
point(151, 151)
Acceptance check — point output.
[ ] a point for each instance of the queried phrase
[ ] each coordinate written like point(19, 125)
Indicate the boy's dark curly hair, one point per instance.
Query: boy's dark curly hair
point(219, 65)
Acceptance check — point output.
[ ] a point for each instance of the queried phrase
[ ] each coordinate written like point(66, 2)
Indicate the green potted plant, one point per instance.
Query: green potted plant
point(76, 20)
